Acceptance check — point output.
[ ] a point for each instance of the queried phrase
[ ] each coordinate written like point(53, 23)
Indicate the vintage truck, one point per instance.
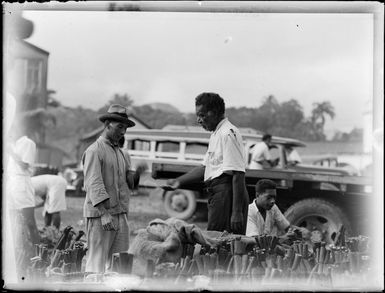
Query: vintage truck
point(316, 197)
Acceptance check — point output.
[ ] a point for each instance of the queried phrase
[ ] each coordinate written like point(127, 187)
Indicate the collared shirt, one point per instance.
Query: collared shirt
point(25, 149)
point(294, 157)
point(261, 152)
point(105, 166)
point(19, 186)
point(225, 151)
point(256, 225)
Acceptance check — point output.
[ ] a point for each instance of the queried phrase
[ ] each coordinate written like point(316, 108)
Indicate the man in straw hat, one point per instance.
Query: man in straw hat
point(107, 181)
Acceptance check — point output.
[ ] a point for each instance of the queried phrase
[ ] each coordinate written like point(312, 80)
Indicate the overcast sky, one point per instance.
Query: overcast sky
point(172, 57)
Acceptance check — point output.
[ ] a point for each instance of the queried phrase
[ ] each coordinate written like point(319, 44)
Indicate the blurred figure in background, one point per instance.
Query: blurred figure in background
point(261, 154)
point(292, 156)
point(51, 188)
point(21, 195)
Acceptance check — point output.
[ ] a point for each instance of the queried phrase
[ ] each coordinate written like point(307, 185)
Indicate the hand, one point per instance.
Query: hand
point(23, 165)
point(107, 222)
point(236, 222)
point(171, 184)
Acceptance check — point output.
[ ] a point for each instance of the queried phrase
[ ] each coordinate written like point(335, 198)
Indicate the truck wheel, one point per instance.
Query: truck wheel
point(322, 218)
point(180, 203)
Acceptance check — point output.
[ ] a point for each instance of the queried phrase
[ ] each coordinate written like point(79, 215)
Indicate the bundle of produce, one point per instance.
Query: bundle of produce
point(39, 263)
point(61, 263)
point(66, 263)
point(49, 236)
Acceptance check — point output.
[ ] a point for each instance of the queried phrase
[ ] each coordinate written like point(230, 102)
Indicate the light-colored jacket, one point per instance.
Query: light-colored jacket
point(105, 167)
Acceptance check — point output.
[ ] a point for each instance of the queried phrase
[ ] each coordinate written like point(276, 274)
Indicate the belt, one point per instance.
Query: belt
point(224, 178)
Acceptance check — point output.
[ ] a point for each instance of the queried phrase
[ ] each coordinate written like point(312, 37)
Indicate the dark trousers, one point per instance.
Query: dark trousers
point(219, 192)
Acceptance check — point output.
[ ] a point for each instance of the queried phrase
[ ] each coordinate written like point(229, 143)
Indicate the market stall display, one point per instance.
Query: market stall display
point(263, 260)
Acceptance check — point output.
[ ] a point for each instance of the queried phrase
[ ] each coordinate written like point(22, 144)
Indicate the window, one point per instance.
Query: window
point(34, 75)
point(169, 146)
point(196, 148)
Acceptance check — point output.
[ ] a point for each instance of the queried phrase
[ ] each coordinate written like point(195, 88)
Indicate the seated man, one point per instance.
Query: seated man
point(264, 216)
point(52, 189)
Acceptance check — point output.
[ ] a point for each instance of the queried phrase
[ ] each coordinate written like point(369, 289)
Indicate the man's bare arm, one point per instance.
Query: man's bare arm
point(195, 175)
point(239, 198)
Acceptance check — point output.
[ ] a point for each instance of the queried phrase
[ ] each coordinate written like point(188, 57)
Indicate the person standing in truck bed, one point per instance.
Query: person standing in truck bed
point(261, 154)
point(223, 168)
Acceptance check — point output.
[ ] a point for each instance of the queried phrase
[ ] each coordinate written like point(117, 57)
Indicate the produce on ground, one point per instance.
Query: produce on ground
point(263, 259)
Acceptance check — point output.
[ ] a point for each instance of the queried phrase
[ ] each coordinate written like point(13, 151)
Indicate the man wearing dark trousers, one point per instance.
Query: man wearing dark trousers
point(223, 168)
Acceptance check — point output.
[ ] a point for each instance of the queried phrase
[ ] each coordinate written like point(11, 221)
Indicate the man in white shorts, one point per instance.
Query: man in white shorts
point(52, 189)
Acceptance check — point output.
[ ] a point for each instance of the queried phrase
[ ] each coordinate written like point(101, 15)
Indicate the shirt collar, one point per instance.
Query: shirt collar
point(255, 206)
point(220, 124)
point(107, 141)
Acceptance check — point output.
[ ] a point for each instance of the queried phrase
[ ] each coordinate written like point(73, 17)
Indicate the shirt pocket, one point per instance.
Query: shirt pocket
point(215, 159)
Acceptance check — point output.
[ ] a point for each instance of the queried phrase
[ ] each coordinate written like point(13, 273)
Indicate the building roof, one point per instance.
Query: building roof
point(33, 47)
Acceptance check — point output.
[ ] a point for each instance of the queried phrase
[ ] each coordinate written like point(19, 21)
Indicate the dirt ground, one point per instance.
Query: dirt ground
point(145, 205)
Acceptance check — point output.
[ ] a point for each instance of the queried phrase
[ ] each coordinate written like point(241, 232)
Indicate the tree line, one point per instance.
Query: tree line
point(282, 119)
point(285, 119)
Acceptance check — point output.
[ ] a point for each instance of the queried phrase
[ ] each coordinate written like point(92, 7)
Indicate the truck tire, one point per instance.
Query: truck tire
point(321, 217)
point(180, 203)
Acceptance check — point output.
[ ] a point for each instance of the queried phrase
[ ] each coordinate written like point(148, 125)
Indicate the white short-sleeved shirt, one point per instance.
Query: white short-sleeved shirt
point(54, 187)
point(261, 152)
point(294, 157)
point(19, 186)
point(256, 225)
point(225, 151)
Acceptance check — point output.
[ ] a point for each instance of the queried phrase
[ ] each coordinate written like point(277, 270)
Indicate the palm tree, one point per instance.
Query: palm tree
point(318, 117)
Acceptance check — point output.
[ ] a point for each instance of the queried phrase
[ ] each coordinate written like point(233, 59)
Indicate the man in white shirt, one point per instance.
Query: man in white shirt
point(223, 168)
point(262, 154)
point(52, 189)
point(293, 157)
point(21, 197)
point(264, 217)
